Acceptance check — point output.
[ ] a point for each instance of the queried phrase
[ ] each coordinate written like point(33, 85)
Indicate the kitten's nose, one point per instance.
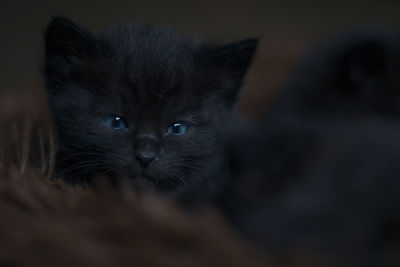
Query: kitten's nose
point(145, 158)
point(147, 148)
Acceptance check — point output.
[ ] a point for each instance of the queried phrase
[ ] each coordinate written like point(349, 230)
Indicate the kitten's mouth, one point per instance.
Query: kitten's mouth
point(142, 182)
point(142, 176)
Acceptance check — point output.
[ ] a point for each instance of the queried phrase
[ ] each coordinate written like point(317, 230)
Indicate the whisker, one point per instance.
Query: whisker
point(79, 154)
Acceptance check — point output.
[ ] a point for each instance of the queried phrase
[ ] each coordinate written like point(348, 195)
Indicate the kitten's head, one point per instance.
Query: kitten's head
point(141, 102)
point(351, 75)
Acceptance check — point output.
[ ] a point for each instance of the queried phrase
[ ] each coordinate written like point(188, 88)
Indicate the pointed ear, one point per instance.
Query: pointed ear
point(231, 62)
point(64, 39)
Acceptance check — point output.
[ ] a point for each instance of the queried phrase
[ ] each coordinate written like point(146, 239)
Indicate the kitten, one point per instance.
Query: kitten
point(142, 103)
point(323, 172)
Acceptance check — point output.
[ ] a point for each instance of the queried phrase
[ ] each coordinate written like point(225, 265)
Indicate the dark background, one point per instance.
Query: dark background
point(286, 28)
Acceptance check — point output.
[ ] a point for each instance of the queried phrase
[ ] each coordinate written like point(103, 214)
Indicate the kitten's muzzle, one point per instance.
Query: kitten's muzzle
point(146, 158)
point(147, 149)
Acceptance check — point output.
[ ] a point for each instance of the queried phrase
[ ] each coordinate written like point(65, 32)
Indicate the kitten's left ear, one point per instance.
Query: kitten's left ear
point(231, 62)
point(65, 39)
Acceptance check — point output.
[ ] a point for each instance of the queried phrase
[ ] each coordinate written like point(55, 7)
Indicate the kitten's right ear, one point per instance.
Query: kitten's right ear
point(231, 62)
point(63, 38)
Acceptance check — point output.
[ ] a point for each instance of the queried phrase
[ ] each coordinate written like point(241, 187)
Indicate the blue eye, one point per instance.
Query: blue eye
point(114, 122)
point(178, 128)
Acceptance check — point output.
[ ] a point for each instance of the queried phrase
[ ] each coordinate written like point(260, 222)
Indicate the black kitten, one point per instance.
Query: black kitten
point(142, 103)
point(322, 174)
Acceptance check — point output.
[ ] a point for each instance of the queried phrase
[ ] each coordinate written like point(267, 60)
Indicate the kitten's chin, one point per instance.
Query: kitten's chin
point(142, 182)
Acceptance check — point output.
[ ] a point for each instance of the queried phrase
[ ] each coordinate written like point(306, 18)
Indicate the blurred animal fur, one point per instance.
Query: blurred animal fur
point(323, 171)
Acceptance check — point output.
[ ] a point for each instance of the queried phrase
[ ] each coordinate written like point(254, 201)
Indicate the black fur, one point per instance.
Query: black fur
point(349, 76)
point(152, 78)
point(323, 171)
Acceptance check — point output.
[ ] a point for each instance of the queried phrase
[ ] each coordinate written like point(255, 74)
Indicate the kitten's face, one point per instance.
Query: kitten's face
point(141, 103)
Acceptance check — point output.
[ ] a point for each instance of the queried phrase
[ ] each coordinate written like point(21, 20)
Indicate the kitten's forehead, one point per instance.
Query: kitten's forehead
point(171, 105)
point(155, 63)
